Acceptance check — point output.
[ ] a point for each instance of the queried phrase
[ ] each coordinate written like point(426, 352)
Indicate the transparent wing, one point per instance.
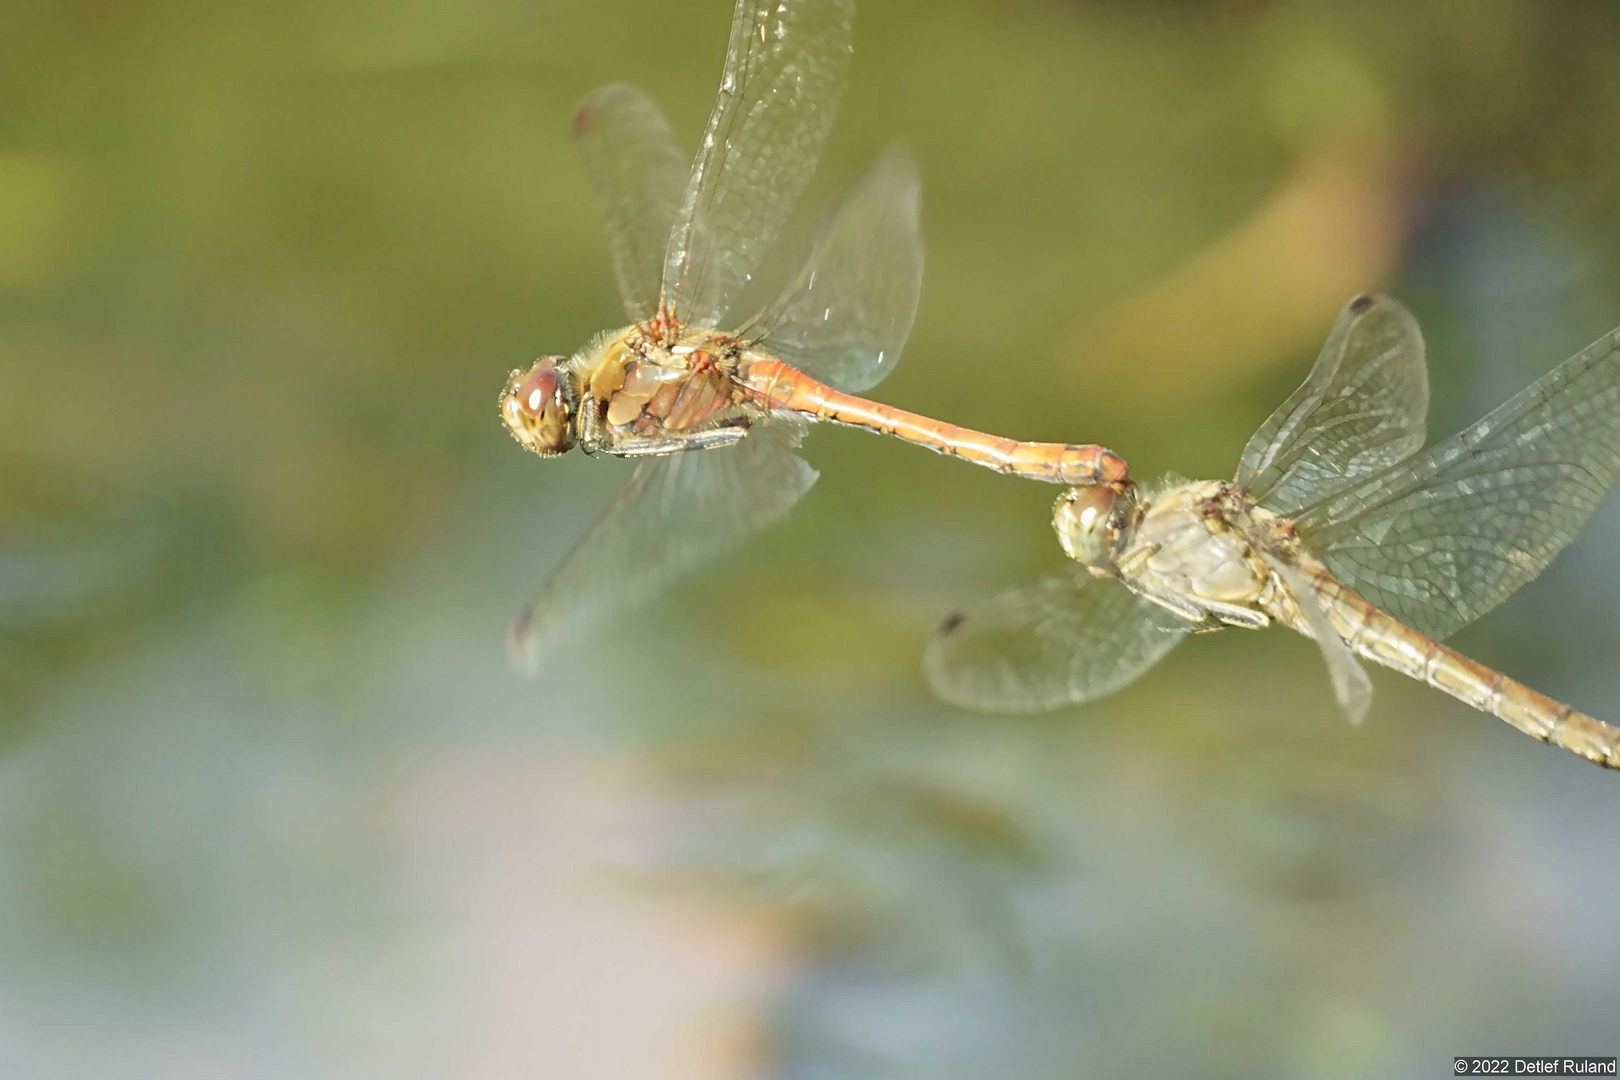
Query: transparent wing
point(786, 63)
point(1442, 538)
point(845, 316)
point(638, 174)
point(1360, 410)
point(1066, 639)
point(676, 512)
point(1351, 686)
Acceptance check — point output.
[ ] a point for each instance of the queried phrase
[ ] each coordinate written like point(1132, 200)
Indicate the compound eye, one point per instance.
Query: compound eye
point(1092, 506)
point(536, 390)
point(1083, 519)
point(534, 409)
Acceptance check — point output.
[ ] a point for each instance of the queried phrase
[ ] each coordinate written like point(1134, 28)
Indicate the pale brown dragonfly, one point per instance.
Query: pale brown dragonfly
point(1337, 526)
point(685, 241)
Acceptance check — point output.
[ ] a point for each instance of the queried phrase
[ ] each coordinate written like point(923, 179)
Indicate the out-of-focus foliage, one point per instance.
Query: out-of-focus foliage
point(271, 804)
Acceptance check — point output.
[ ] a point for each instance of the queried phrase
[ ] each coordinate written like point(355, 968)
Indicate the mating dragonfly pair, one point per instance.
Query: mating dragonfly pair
point(1338, 524)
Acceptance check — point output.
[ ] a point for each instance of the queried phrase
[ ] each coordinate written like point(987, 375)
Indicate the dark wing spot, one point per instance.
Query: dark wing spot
point(583, 119)
point(950, 623)
point(1361, 303)
point(519, 629)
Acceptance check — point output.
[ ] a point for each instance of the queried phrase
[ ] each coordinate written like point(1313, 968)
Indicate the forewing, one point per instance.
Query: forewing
point(845, 316)
point(638, 174)
point(1066, 639)
point(1441, 539)
point(1360, 410)
point(676, 512)
point(786, 64)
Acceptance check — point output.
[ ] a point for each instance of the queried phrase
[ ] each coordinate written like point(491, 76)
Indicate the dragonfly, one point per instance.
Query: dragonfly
point(714, 415)
point(1338, 524)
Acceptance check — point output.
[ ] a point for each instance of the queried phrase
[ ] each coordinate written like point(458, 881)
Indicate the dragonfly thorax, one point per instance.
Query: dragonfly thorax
point(656, 387)
point(1207, 549)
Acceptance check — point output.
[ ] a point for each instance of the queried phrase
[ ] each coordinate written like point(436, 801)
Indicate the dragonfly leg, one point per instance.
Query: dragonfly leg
point(1176, 605)
point(1237, 615)
point(675, 444)
point(1130, 564)
point(1210, 625)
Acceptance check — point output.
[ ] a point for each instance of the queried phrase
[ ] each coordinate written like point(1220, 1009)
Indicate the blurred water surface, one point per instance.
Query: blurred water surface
point(271, 804)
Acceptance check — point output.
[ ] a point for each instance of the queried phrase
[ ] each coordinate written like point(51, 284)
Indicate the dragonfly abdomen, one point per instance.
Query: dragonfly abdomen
point(1385, 640)
point(781, 386)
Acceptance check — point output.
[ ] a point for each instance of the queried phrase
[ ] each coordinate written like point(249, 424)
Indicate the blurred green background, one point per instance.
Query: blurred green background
point(271, 804)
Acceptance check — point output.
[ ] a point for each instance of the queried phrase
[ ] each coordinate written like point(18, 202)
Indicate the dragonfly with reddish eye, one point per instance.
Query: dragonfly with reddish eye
point(717, 414)
point(1338, 525)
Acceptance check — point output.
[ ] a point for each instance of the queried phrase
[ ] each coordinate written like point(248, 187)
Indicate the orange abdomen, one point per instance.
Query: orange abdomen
point(780, 386)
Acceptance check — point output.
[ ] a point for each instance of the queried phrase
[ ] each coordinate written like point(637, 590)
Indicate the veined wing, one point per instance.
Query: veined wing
point(676, 512)
point(1351, 686)
point(1065, 639)
point(786, 64)
point(1360, 410)
point(1441, 539)
point(845, 316)
point(638, 173)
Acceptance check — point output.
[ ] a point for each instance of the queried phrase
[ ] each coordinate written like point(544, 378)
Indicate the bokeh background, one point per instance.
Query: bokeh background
point(272, 805)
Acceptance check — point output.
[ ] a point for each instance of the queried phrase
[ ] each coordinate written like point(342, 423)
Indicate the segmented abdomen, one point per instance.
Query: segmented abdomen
point(781, 386)
point(1384, 640)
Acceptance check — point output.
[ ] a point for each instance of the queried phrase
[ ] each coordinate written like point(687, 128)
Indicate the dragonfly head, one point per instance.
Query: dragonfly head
point(1089, 522)
point(537, 407)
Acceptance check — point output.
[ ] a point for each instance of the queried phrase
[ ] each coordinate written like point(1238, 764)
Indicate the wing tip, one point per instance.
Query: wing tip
point(522, 647)
point(968, 687)
point(1362, 303)
point(897, 167)
point(591, 105)
point(585, 115)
